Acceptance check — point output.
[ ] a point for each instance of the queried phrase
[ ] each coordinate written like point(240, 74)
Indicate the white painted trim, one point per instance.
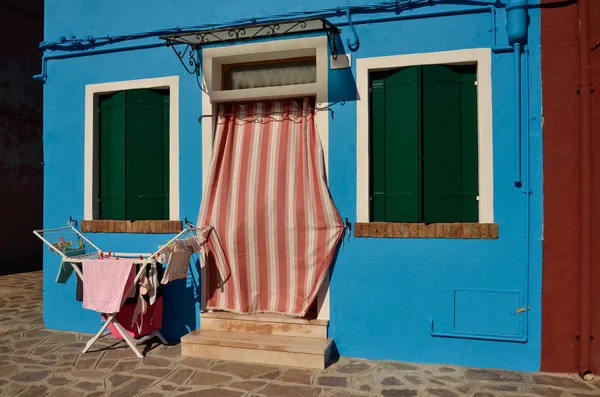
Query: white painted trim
point(91, 168)
point(212, 61)
point(483, 58)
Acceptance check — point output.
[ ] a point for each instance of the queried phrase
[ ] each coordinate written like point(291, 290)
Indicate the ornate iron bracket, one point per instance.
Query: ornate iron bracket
point(190, 59)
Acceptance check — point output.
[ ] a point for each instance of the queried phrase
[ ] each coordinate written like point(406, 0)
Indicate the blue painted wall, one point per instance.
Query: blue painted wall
point(384, 292)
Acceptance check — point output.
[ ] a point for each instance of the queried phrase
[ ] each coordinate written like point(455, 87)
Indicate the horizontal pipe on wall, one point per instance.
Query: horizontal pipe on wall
point(401, 17)
point(44, 75)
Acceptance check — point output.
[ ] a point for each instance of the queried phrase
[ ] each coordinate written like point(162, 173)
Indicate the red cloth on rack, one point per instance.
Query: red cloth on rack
point(151, 320)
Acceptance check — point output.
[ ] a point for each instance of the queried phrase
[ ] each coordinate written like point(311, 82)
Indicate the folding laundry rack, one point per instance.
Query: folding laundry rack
point(74, 247)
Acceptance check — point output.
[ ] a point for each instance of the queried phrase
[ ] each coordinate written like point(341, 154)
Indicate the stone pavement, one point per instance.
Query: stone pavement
point(36, 362)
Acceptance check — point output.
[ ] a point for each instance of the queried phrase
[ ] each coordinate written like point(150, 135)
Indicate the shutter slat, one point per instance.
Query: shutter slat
point(395, 159)
point(146, 195)
point(442, 170)
point(112, 157)
point(470, 150)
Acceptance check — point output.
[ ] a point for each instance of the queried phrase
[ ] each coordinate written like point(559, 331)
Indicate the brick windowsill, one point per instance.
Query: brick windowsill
point(150, 227)
point(432, 230)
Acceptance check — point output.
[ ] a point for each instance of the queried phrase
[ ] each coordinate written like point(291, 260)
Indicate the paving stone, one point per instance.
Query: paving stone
point(44, 349)
point(132, 388)
point(415, 380)
point(561, 382)
point(481, 394)
point(389, 365)
point(152, 394)
point(153, 372)
point(116, 380)
point(34, 391)
point(391, 381)
point(493, 375)
point(365, 387)
point(271, 375)
point(449, 379)
point(212, 393)
point(300, 376)
point(248, 385)
point(124, 366)
point(353, 368)
point(279, 390)
point(346, 393)
point(168, 351)
point(437, 382)
point(198, 363)
point(8, 370)
point(86, 364)
point(13, 389)
point(442, 393)
point(88, 374)
point(180, 376)
point(27, 343)
point(446, 369)
point(64, 337)
point(512, 388)
point(544, 391)
point(39, 333)
point(59, 381)
point(206, 378)
point(399, 393)
point(88, 386)
point(105, 364)
point(244, 371)
point(156, 362)
point(64, 392)
point(332, 381)
point(30, 376)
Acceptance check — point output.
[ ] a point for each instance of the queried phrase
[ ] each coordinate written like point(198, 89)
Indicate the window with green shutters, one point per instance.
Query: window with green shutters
point(134, 155)
point(423, 154)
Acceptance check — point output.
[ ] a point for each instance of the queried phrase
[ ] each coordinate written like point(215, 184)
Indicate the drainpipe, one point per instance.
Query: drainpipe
point(516, 28)
point(585, 93)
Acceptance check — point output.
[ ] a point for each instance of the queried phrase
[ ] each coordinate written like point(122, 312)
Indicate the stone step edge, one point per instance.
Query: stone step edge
point(198, 337)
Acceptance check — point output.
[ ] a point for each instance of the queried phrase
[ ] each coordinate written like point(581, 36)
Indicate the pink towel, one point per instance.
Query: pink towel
point(104, 283)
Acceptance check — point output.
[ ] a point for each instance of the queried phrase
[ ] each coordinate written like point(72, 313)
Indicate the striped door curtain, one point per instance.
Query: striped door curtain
point(268, 200)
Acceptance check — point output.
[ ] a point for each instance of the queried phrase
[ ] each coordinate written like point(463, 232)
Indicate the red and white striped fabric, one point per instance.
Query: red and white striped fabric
point(269, 203)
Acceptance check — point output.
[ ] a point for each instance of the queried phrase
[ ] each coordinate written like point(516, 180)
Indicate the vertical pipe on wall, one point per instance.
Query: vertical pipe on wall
point(585, 88)
point(517, 53)
point(516, 29)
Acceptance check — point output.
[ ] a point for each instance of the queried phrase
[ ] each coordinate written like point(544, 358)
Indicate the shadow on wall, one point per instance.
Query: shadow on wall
point(21, 172)
point(342, 85)
point(181, 304)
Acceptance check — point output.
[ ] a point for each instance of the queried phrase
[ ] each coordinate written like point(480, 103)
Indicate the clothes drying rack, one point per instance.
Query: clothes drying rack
point(74, 247)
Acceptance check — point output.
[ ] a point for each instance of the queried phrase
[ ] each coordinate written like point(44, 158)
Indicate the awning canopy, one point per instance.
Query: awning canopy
point(249, 32)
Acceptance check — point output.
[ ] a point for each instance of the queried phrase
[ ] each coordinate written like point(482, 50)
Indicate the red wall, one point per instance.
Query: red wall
point(560, 102)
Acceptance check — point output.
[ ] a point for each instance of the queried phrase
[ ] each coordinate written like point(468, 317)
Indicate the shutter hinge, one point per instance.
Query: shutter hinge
point(475, 82)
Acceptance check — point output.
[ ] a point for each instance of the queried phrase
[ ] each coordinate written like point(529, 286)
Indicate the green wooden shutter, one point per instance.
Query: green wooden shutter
point(147, 156)
point(470, 148)
point(112, 156)
point(395, 147)
point(449, 120)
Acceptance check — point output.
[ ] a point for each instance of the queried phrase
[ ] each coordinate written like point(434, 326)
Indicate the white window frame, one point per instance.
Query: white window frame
point(482, 57)
point(212, 61)
point(91, 208)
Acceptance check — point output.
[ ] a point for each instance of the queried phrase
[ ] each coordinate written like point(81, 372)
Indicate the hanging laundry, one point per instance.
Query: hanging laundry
point(148, 288)
point(178, 262)
point(105, 282)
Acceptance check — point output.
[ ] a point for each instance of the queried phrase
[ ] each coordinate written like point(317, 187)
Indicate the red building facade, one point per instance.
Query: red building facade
point(571, 135)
